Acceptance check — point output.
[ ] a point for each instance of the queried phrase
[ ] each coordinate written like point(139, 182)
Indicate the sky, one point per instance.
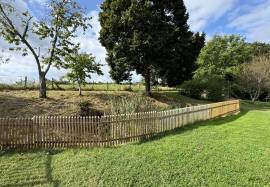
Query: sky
point(248, 18)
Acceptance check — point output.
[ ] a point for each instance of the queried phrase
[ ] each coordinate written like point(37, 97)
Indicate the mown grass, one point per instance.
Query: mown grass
point(232, 151)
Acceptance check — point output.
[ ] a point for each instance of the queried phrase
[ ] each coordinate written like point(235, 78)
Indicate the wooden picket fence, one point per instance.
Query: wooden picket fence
point(63, 132)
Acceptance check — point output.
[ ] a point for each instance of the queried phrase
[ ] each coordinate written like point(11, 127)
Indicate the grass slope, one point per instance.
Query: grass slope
point(233, 151)
point(27, 104)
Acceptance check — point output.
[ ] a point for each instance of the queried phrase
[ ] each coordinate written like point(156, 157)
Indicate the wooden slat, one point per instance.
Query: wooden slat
point(59, 132)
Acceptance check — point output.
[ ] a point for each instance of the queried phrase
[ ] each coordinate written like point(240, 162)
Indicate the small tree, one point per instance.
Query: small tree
point(255, 76)
point(81, 66)
point(58, 29)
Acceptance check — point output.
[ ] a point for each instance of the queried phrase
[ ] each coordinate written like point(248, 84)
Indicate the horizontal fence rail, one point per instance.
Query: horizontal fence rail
point(63, 132)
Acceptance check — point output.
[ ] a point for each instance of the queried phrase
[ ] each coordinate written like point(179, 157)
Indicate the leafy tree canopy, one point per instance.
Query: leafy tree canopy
point(143, 35)
point(81, 67)
point(260, 49)
point(222, 56)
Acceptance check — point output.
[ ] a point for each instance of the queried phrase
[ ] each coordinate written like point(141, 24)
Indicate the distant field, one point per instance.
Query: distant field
point(232, 151)
point(87, 87)
point(25, 103)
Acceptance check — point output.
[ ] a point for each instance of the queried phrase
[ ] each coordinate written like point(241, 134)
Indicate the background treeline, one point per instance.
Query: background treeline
point(228, 66)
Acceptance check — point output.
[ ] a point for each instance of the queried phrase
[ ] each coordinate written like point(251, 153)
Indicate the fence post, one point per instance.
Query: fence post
point(25, 82)
point(52, 84)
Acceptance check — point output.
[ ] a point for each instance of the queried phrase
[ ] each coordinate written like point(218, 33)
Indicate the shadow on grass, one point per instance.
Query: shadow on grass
point(246, 107)
point(45, 179)
point(191, 127)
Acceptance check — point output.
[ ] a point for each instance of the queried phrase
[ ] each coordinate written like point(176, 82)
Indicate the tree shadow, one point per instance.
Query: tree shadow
point(246, 107)
point(191, 127)
point(45, 179)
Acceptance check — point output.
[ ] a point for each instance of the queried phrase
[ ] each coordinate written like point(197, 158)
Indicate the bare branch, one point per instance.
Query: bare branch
point(27, 26)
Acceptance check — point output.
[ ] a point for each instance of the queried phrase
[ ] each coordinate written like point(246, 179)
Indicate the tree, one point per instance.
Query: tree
point(81, 66)
point(184, 62)
point(58, 29)
point(223, 55)
point(260, 48)
point(255, 76)
point(143, 35)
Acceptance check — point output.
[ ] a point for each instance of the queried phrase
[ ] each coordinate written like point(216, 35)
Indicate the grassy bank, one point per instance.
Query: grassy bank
point(27, 104)
point(232, 151)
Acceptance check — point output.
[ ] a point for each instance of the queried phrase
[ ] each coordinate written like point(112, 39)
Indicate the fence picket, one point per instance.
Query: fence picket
point(59, 132)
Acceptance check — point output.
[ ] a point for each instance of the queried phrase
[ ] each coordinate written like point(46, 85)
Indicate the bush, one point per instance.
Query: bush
point(193, 88)
point(128, 105)
point(212, 87)
point(86, 110)
point(215, 88)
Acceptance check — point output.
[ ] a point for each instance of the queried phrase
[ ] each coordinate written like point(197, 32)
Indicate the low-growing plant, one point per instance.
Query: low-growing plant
point(128, 88)
point(128, 105)
point(86, 110)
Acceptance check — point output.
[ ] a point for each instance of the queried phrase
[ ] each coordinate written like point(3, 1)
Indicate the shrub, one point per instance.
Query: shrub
point(211, 86)
point(193, 88)
point(215, 88)
point(86, 110)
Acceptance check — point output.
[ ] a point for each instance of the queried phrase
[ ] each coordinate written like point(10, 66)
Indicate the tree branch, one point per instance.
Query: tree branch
point(23, 40)
point(26, 27)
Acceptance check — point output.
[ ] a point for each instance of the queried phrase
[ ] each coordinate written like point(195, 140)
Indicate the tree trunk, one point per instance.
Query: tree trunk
point(42, 85)
point(80, 89)
point(147, 78)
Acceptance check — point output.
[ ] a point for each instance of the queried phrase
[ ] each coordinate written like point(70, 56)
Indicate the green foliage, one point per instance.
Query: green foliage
point(183, 65)
point(210, 87)
point(223, 55)
point(86, 110)
point(81, 66)
point(65, 18)
point(144, 36)
point(129, 105)
point(194, 88)
point(215, 88)
point(260, 49)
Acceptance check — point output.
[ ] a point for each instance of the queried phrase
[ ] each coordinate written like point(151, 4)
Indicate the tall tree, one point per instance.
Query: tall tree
point(183, 65)
point(223, 56)
point(81, 66)
point(142, 35)
point(58, 28)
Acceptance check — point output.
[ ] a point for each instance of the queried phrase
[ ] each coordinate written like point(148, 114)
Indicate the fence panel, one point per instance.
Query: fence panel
point(63, 132)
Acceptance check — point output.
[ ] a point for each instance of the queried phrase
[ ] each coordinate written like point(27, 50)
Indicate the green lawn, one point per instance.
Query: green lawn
point(233, 151)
